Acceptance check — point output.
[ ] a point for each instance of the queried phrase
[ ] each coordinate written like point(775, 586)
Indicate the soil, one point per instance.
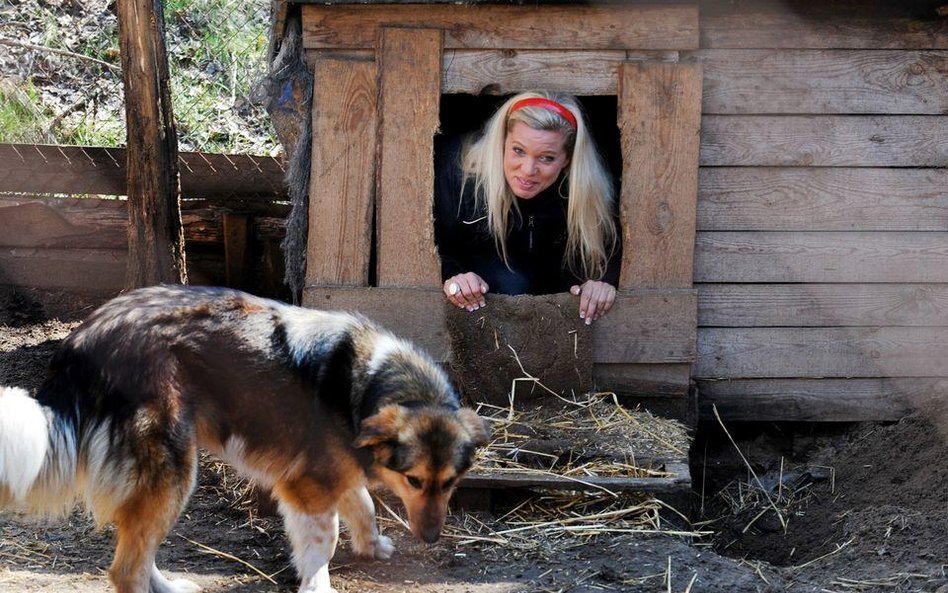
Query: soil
point(865, 509)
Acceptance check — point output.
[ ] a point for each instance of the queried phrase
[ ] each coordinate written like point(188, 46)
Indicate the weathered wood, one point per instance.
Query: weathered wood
point(526, 27)
point(155, 238)
point(92, 223)
point(824, 81)
point(737, 353)
point(38, 169)
point(632, 379)
point(822, 199)
point(659, 119)
point(821, 257)
point(508, 71)
point(93, 270)
point(825, 25)
point(681, 480)
point(824, 141)
point(342, 182)
point(409, 95)
point(237, 256)
point(821, 400)
point(823, 305)
point(642, 327)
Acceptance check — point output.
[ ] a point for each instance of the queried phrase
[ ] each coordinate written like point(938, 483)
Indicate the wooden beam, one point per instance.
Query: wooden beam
point(754, 352)
point(659, 119)
point(410, 94)
point(237, 255)
point(821, 400)
point(508, 71)
point(822, 199)
point(645, 327)
point(681, 480)
point(155, 239)
point(824, 141)
point(763, 256)
point(92, 270)
point(342, 182)
point(38, 169)
point(869, 82)
point(823, 305)
point(612, 26)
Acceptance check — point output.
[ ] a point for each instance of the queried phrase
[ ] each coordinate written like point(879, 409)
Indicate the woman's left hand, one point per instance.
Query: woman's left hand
point(595, 300)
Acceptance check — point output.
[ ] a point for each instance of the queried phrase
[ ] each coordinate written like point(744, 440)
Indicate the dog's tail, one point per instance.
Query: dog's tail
point(38, 452)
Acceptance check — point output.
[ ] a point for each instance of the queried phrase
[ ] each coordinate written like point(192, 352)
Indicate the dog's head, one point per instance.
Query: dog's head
point(420, 453)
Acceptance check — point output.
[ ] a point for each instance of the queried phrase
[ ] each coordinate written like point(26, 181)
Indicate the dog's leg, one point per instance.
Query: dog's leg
point(313, 537)
point(141, 522)
point(358, 511)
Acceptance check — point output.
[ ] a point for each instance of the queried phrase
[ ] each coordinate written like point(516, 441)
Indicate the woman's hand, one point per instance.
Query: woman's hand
point(595, 300)
point(466, 291)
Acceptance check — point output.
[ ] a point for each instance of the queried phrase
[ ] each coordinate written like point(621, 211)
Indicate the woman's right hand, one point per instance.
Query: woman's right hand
point(466, 291)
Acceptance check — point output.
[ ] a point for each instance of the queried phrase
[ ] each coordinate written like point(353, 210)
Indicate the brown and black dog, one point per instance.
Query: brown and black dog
point(315, 405)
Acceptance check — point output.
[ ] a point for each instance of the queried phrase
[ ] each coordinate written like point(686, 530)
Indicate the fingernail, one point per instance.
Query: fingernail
point(589, 321)
point(582, 315)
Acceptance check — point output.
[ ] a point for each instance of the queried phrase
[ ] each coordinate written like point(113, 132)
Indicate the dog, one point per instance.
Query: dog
point(316, 406)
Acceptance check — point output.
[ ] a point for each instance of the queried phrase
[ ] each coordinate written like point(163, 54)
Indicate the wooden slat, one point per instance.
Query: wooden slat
point(737, 353)
point(821, 400)
point(342, 182)
point(647, 327)
point(632, 379)
point(410, 94)
point(823, 25)
point(526, 27)
point(500, 72)
point(30, 168)
point(824, 81)
point(822, 199)
point(237, 248)
point(659, 119)
point(821, 257)
point(95, 270)
point(681, 481)
point(822, 305)
point(824, 141)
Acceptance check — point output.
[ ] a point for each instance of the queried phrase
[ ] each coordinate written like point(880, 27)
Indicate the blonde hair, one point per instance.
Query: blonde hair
point(591, 230)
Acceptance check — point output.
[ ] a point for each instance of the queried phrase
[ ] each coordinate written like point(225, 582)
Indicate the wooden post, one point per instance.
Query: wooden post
point(155, 235)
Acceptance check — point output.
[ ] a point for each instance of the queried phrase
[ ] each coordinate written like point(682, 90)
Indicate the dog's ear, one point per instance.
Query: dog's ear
point(475, 426)
point(381, 427)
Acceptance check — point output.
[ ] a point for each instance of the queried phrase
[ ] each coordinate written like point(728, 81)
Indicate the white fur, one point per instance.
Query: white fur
point(358, 511)
point(384, 346)
point(306, 329)
point(104, 482)
point(313, 539)
point(24, 441)
point(235, 453)
point(160, 584)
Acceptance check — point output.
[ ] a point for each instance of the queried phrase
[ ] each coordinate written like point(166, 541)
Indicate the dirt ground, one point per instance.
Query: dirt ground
point(826, 509)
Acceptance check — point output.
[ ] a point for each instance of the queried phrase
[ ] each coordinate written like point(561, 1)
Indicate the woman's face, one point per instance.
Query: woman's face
point(533, 159)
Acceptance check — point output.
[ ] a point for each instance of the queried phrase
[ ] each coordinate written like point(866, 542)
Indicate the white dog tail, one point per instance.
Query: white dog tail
point(37, 455)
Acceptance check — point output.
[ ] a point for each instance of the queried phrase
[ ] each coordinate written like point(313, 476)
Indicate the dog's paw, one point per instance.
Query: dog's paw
point(312, 589)
point(380, 548)
point(384, 548)
point(184, 586)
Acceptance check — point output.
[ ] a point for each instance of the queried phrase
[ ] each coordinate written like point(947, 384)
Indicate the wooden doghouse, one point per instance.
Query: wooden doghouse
point(381, 72)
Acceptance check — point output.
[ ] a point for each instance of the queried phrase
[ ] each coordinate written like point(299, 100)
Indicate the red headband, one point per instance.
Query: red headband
point(548, 105)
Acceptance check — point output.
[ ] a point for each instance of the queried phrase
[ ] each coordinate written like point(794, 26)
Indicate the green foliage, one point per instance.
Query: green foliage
point(21, 117)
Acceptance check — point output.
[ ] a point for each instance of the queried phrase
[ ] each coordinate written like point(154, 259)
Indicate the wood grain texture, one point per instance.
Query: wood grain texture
point(645, 327)
point(525, 27)
point(871, 82)
point(93, 270)
point(679, 482)
point(659, 119)
point(821, 400)
point(827, 25)
point(822, 305)
point(410, 92)
point(342, 179)
point(824, 141)
point(741, 353)
point(33, 168)
point(500, 72)
point(822, 199)
point(821, 257)
point(633, 379)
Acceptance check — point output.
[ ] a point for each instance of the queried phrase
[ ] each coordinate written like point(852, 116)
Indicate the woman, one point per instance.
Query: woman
point(527, 208)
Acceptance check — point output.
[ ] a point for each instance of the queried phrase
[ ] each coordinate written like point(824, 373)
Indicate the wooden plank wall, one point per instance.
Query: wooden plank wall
point(822, 234)
point(51, 239)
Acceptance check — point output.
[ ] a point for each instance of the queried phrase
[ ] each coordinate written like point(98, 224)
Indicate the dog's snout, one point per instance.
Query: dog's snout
point(430, 534)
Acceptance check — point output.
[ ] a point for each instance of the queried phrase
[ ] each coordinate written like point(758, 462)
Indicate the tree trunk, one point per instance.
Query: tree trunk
point(155, 235)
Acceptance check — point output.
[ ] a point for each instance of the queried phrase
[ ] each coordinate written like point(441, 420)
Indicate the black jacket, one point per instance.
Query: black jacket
point(536, 239)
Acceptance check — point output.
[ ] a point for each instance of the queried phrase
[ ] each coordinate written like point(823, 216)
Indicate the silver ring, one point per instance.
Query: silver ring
point(453, 288)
